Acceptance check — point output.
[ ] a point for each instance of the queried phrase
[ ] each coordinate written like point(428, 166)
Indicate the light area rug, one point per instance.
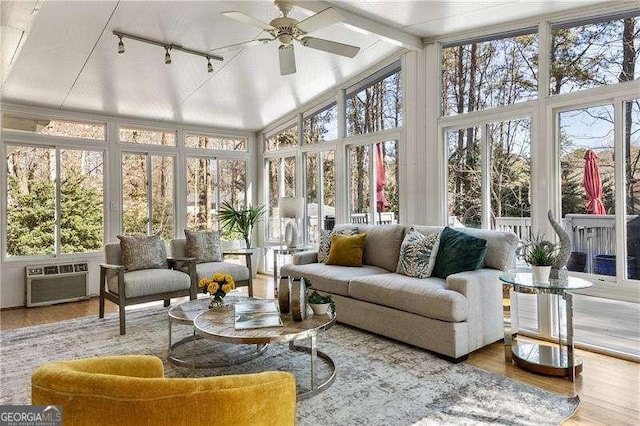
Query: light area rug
point(379, 381)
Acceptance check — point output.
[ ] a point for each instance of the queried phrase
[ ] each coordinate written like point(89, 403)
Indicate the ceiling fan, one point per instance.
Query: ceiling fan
point(287, 30)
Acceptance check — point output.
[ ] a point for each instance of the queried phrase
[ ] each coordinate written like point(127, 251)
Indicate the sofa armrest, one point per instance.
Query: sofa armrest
point(483, 291)
point(305, 257)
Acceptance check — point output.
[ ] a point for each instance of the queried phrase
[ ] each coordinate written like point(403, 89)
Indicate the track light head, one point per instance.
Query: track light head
point(167, 56)
point(120, 45)
point(209, 66)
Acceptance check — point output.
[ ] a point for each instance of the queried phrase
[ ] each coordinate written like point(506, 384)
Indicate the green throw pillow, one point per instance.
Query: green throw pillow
point(458, 252)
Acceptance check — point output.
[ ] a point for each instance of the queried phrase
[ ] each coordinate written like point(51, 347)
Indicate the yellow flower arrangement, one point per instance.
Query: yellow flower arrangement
point(217, 286)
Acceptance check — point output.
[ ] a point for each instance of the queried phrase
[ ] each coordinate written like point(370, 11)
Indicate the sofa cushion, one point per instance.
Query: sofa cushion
point(382, 246)
point(203, 245)
point(418, 254)
point(346, 250)
point(329, 278)
point(142, 252)
point(426, 297)
point(458, 252)
point(325, 241)
point(206, 270)
point(151, 281)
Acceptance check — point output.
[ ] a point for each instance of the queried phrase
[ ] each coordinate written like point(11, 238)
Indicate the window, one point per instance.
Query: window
point(146, 136)
point(32, 183)
point(376, 107)
point(465, 177)
point(320, 192)
point(321, 126)
point(507, 170)
point(281, 181)
point(215, 142)
point(285, 139)
point(209, 183)
point(374, 177)
point(148, 194)
point(486, 74)
point(71, 129)
point(594, 54)
point(632, 192)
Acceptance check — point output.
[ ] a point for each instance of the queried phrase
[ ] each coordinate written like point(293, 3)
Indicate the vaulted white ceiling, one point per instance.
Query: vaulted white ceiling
point(69, 59)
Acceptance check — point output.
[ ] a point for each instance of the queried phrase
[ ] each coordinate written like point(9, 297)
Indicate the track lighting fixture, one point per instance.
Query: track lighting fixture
point(167, 48)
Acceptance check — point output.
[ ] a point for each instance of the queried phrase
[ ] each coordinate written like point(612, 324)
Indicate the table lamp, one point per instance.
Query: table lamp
point(288, 208)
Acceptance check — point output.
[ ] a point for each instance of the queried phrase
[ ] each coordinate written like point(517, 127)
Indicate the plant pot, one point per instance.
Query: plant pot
point(320, 309)
point(541, 274)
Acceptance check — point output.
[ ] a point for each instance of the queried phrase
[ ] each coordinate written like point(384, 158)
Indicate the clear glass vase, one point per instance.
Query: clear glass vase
point(217, 300)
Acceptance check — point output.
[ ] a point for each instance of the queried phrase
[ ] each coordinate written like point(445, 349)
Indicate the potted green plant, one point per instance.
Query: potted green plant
point(540, 254)
point(242, 221)
point(320, 303)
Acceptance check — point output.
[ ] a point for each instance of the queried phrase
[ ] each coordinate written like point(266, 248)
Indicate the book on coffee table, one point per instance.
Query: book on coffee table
point(257, 315)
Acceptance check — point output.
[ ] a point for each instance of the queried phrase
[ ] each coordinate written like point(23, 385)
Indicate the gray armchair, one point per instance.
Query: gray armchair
point(147, 285)
point(241, 274)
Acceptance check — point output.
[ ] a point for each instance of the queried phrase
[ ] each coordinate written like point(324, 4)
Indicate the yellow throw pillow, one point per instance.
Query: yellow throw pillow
point(346, 250)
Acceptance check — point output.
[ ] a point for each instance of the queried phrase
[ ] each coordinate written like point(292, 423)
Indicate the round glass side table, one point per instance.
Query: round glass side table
point(543, 359)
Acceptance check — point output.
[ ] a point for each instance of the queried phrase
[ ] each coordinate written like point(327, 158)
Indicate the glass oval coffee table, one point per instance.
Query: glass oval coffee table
point(184, 314)
point(219, 324)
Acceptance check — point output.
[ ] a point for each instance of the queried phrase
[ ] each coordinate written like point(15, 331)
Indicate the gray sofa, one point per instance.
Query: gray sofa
point(452, 317)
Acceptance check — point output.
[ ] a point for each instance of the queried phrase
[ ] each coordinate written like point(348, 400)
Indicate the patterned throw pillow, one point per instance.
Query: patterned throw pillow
point(325, 241)
point(418, 254)
point(458, 252)
point(203, 245)
point(142, 252)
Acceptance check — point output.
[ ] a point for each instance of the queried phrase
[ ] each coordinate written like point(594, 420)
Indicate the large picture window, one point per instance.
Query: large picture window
point(486, 74)
point(211, 181)
point(214, 142)
point(50, 127)
point(321, 126)
point(281, 182)
point(375, 107)
point(148, 194)
point(320, 193)
point(35, 175)
point(285, 139)
point(594, 54)
point(373, 183)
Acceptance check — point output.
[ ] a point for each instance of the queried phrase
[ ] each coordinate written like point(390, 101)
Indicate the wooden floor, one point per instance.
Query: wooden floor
point(609, 388)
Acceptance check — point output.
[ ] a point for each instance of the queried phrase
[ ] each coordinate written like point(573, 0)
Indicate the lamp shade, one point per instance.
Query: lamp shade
point(288, 207)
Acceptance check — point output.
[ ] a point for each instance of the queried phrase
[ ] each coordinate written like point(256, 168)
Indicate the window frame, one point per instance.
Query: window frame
point(58, 144)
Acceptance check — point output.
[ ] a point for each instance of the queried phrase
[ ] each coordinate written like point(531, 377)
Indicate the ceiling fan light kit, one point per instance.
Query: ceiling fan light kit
point(287, 30)
point(168, 47)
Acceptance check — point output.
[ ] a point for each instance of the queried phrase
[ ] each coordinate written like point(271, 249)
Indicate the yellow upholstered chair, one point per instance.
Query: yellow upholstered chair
point(132, 390)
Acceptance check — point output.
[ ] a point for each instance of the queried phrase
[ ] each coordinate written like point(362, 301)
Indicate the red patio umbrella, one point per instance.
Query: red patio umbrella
point(593, 184)
point(381, 201)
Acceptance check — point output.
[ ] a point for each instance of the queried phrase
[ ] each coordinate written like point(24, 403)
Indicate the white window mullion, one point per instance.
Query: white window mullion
point(57, 211)
point(485, 176)
point(619, 152)
point(149, 196)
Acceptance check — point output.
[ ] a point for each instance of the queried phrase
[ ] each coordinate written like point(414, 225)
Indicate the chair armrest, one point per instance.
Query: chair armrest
point(236, 253)
point(305, 257)
point(190, 264)
point(175, 261)
point(112, 267)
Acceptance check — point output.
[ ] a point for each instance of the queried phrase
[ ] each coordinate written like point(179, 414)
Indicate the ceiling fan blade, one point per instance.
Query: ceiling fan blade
point(243, 44)
point(330, 46)
point(287, 59)
point(320, 20)
point(244, 18)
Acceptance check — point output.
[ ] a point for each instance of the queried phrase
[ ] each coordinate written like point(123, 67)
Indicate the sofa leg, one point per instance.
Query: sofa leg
point(123, 329)
point(454, 360)
point(167, 303)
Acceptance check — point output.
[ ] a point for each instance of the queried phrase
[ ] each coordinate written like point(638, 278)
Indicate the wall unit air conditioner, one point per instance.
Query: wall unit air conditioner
point(49, 284)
